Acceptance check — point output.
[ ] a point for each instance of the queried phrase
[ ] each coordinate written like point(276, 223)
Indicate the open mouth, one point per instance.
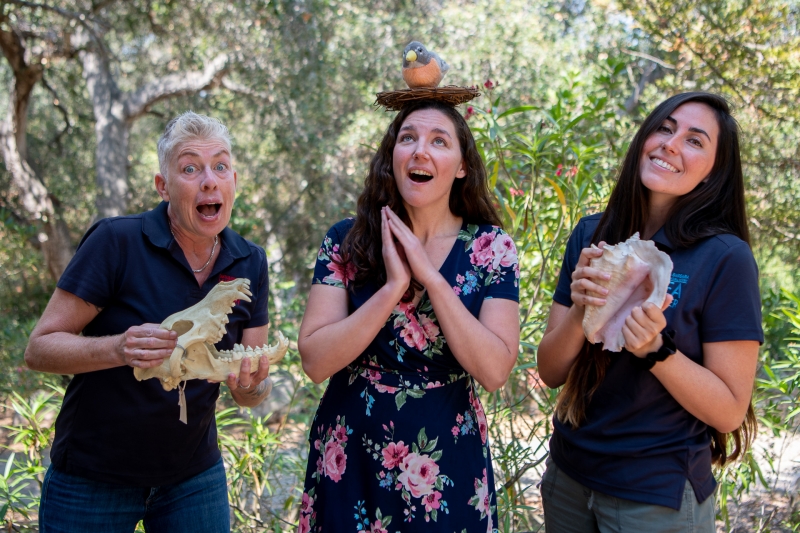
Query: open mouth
point(209, 210)
point(420, 176)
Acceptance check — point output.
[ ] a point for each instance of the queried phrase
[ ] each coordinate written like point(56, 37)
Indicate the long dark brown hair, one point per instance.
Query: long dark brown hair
point(717, 205)
point(470, 197)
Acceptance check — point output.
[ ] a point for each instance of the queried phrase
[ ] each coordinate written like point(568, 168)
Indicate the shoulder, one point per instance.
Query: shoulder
point(338, 231)
point(582, 233)
point(114, 228)
point(724, 247)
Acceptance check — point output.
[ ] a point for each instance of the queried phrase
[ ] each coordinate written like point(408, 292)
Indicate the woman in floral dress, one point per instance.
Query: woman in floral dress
point(412, 302)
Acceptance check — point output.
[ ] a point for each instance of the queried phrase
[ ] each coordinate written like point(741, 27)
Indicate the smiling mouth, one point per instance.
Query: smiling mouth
point(420, 176)
point(209, 210)
point(663, 164)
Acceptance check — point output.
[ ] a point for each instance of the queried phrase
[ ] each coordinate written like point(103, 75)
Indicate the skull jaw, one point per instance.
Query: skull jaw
point(203, 361)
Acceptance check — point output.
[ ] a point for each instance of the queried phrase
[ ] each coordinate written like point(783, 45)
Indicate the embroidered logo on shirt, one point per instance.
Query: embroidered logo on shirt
point(676, 283)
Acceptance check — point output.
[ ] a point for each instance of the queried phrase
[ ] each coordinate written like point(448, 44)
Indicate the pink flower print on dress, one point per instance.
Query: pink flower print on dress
point(305, 526)
point(429, 327)
point(414, 335)
point(335, 460)
point(482, 253)
point(344, 273)
point(393, 454)
point(418, 474)
point(431, 501)
point(505, 253)
point(377, 527)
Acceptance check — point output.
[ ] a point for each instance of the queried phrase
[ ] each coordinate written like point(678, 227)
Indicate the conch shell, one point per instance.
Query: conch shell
point(640, 273)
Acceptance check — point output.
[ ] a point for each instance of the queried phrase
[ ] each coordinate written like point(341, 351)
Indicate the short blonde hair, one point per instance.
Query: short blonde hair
point(186, 127)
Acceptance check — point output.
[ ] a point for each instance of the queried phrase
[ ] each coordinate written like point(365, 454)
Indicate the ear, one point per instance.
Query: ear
point(161, 187)
point(461, 170)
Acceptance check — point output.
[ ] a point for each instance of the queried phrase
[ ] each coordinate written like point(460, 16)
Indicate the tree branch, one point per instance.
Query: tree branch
point(136, 103)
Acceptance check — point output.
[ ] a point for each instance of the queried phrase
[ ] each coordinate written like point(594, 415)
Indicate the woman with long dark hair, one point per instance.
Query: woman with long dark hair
point(636, 433)
point(413, 301)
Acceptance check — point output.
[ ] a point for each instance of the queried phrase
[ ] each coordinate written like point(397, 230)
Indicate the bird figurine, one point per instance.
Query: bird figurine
point(422, 67)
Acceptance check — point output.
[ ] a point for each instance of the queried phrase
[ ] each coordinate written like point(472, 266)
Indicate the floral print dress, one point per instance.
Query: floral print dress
point(399, 442)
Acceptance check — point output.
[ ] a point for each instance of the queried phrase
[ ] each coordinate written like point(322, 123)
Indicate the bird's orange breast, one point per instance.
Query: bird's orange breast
point(428, 76)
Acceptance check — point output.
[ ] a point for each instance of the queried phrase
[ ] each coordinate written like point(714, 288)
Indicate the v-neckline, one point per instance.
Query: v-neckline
point(448, 257)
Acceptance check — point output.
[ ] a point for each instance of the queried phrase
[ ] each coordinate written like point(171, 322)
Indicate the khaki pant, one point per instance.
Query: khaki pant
point(570, 507)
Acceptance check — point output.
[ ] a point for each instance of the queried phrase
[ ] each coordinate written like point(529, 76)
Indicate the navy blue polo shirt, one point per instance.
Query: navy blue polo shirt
point(111, 427)
point(637, 442)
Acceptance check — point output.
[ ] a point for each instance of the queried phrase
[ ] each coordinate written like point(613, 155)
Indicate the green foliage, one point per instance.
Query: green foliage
point(25, 468)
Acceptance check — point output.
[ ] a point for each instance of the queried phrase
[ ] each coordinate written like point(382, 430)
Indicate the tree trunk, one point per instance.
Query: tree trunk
point(54, 238)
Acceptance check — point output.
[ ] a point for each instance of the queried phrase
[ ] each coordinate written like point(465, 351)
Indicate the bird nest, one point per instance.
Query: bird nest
point(450, 94)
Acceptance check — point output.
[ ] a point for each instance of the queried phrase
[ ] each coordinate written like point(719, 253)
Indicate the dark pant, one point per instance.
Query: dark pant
point(570, 507)
point(72, 504)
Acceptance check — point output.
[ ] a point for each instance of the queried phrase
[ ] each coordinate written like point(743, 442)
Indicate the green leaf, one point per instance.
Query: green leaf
point(400, 399)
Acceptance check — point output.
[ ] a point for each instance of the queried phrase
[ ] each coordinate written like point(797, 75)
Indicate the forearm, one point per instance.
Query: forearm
point(561, 344)
point(484, 354)
point(67, 353)
point(253, 396)
point(329, 348)
point(702, 393)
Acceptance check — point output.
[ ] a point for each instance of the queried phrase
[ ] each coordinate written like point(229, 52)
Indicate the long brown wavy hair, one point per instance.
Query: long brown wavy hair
point(717, 205)
point(470, 197)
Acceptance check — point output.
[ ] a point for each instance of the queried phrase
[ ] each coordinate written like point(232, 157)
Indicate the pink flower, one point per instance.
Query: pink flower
point(481, 497)
point(385, 388)
point(431, 501)
point(470, 113)
point(418, 475)
point(344, 273)
point(335, 460)
point(505, 253)
point(414, 335)
point(454, 431)
point(515, 192)
point(457, 290)
point(429, 327)
point(393, 454)
point(377, 527)
point(488, 84)
point(459, 418)
point(460, 279)
point(320, 465)
point(559, 169)
point(307, 503)
point(482, 250)
point(433, 385)
point(317, 444)
point(480, 417)
point(340, 433)
point(305, 526)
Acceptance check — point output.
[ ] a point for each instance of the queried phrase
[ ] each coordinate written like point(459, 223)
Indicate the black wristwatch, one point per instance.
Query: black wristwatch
point(667, 348)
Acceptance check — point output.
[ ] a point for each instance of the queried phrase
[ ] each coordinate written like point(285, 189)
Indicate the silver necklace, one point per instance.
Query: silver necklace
point(213, 249)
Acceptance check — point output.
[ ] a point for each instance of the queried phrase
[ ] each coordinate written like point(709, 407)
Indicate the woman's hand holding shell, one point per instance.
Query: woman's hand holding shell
point(584, 289)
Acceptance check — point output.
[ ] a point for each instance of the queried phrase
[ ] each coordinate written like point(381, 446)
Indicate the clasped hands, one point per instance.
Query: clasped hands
point(147, 346)
point(642, 328)
point(403, 254)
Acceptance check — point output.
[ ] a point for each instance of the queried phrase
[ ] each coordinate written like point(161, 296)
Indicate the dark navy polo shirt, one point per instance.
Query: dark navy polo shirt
point(637, 442)
point(111, 427)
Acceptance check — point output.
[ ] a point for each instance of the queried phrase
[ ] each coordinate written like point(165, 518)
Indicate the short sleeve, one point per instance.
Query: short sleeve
point(577, 241)
point(260, 314)
point(732, 309)
point(328, 269)
point(91, 274)
point(504, 279)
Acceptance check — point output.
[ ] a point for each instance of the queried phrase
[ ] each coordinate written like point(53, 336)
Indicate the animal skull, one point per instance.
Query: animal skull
point(199, 327)
point(640, 273)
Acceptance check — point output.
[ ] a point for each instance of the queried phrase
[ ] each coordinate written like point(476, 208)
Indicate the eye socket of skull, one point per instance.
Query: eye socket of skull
point(182, 326)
